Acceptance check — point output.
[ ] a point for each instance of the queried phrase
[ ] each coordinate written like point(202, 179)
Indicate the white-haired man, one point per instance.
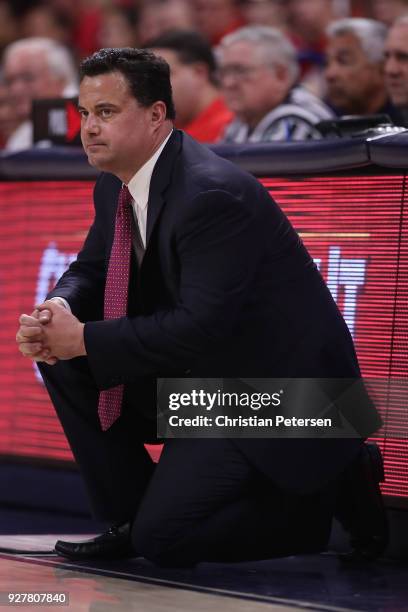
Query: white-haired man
point(258, 71)
point(355, 67)
point(35, 68)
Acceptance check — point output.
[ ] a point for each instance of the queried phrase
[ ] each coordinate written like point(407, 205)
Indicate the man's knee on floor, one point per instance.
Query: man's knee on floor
point(150, 540)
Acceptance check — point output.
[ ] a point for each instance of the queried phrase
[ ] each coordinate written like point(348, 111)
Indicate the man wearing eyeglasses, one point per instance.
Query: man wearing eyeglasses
point(35, 68)
point(258, 71)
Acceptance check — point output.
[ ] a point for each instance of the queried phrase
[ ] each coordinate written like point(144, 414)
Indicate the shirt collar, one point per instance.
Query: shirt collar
point(139, 184)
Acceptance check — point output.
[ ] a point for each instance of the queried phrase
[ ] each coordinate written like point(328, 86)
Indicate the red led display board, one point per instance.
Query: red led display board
point(43, 225)
point(354, 227)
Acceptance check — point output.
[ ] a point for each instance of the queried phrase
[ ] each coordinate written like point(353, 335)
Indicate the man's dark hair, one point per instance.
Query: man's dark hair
point(190, 47)
point(148, 75)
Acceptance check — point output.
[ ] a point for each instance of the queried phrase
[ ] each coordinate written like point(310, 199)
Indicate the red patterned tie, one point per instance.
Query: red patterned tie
point(116, 296)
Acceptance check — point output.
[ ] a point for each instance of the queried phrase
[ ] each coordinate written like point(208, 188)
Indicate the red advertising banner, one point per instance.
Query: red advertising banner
point(43, 227)
point(355, 228)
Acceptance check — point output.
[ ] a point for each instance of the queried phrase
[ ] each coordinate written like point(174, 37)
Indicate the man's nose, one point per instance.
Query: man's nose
point(391, 66)
point(229, 80)
point(330, 72)
point(91, 124)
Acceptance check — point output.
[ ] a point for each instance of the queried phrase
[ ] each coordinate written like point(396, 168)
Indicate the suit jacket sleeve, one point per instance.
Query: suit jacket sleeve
point(82, 285)
point(218, 244)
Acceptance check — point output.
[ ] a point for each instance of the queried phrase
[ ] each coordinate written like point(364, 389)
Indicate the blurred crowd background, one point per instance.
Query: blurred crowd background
point(241, 70)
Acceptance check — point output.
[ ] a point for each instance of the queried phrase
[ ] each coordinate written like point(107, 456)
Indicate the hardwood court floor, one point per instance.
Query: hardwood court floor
point(92, 592)
point(315, 582)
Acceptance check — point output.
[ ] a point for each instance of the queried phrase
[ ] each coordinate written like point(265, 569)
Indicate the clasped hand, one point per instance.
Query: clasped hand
point(50, 333)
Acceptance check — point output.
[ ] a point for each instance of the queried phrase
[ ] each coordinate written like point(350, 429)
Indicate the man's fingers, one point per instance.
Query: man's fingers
point(45, 316)
point(51, 361)
point(36, 352)
point(29, 349)
point(29, 320)
point(49, 306)
point(37, 359)
point(30, 336)
point(28, 333)
point(36, 317)
point(45, 355)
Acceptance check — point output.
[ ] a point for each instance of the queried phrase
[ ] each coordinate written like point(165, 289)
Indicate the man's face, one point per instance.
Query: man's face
point(309, 13)
point(396, 64)
point(388, 11)
point(187, 81)
point(29, 77)
point(116, 132)
point(251, 86)
point(351, 78)
point(214, 16)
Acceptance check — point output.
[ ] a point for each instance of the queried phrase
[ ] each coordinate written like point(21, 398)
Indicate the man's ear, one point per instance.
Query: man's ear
point(201, 70)
point(158, 113)
point(281, 72)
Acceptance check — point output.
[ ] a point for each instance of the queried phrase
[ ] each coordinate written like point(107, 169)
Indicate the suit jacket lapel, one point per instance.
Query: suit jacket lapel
point(160, 179)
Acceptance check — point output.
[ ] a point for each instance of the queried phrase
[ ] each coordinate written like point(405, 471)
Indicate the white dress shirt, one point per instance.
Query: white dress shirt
point(139, 187)
point(21, 139)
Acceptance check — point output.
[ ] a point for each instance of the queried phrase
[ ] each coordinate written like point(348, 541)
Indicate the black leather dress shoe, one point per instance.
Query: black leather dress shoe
point(113, 544)
point(360, 508)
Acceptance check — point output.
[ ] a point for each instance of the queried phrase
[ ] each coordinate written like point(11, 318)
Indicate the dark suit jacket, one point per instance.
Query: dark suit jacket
point(226, 289)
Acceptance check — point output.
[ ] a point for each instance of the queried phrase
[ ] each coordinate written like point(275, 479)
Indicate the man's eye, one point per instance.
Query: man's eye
point(83, 114)
point(105, 113)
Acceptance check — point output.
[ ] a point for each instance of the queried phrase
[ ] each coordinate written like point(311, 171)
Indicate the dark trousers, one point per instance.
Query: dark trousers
point(203, 501)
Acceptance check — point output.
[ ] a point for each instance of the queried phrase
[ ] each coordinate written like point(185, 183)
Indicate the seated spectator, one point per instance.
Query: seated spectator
point(258, 71)
point(389, 11)
point(45, 21)
point(355, 67)
point(35, 68)
point(217, 18)
point(266, 12)
point(396, 67)
point(157, 17)
point(87, 24)
point(308, 21)
point(118, 27)
point(200, 109)
point(9, 24)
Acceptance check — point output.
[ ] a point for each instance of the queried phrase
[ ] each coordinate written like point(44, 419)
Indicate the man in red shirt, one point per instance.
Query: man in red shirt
point(200, 108)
